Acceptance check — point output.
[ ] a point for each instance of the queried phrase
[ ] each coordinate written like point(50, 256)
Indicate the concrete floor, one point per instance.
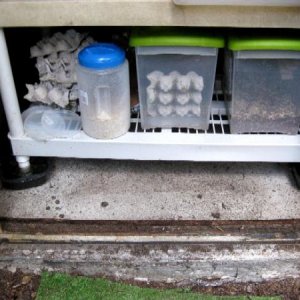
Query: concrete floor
point(127, 190)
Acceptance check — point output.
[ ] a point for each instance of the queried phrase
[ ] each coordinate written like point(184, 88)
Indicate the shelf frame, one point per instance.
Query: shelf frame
point(139, 144)
point(168, 146)
point(215, 144)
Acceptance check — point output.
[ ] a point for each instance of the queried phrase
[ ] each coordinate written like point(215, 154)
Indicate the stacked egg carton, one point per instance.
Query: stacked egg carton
point(51, 93)
point(174, 95)
point(56, 61)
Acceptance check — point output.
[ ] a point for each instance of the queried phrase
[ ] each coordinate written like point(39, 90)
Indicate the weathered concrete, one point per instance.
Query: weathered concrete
point(183, 265)
point(129, 190)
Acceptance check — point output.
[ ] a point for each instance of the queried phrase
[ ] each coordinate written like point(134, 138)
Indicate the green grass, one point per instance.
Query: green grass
point(55, 286)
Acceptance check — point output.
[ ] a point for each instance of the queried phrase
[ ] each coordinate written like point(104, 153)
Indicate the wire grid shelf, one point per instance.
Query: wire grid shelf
point(214, 144)
point(218, 121)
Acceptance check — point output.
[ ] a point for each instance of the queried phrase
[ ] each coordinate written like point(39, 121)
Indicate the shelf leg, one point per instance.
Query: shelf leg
point(10, 100)
point(296, 173)
point(23, 163)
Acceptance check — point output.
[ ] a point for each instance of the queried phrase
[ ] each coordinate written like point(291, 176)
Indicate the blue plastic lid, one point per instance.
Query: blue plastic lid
point(101, 56)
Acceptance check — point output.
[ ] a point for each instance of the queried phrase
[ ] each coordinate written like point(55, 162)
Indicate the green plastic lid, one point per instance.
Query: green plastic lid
point(175, 37)
point(264, 43)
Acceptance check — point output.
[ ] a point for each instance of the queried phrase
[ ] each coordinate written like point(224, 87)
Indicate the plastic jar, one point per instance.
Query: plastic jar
point(103, 80)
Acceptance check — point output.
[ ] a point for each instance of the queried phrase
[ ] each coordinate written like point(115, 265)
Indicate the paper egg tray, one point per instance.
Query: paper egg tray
point(174, 94)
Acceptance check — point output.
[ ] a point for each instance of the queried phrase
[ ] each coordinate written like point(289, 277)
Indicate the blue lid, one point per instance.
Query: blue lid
point(101, 56)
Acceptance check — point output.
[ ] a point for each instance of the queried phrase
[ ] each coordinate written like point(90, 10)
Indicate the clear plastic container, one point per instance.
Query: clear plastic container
point(32, 122)
point(103, 80)
point(60, 123)
point(176, 74)
point(264, 89)
point(176, 86)
point(42, 122)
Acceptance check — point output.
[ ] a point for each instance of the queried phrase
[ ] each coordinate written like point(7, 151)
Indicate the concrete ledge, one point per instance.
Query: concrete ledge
point(141, 13)
point(177, 264)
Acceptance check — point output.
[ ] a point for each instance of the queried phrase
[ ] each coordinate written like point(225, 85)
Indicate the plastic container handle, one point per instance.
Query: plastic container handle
point(103, 102)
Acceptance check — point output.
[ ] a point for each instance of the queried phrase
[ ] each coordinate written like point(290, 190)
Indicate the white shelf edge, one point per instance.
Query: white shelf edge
point(166, 145)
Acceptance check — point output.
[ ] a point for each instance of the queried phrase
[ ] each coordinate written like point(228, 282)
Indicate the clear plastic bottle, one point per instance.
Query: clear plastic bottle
point(103, 79)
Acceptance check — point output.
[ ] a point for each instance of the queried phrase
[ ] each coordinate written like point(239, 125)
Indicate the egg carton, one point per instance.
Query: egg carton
point(48, 93)
point(59, 42)
point(154, 96)
point(171, 110)
point(56, 59)
point(174, 94)
point(60, 66)
point(61, 74)
point(175, 81)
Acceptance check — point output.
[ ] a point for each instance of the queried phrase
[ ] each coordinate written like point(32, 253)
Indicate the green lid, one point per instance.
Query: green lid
point(264, 43)
point(175, 37)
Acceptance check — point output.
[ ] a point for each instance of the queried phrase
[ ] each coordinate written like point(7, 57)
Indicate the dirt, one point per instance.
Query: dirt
point(288, 289)
point(287, 228)
point(23, 286)
point(18, 285)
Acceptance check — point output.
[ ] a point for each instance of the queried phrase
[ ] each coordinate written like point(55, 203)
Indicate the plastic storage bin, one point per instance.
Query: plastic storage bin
point(176, 73)
point(103, 80)
point(263, 84)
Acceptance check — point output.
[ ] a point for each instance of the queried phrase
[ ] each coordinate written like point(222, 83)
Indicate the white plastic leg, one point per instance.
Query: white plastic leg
point(10, 99)
point(24, 163)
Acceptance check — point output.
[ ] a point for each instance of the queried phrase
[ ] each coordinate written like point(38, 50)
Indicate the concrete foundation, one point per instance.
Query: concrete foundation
point(132, 190)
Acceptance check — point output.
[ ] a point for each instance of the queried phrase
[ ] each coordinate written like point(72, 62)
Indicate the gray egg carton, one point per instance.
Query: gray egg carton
point(175, 86)
point(48, 93)
point(174, 94)
point(56, 59)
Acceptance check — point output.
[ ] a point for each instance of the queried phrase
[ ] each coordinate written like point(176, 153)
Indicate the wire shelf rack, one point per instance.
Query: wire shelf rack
point(214, 144)
point(218, 122)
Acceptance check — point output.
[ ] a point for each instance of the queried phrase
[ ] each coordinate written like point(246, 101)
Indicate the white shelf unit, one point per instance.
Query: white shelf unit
point(215, 144)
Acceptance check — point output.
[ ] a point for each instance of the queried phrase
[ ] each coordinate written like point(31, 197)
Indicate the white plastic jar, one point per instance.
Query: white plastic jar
point(103, 80)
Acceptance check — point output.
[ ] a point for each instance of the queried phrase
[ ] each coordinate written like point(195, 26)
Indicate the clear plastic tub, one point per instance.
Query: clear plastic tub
point(103, 80)
point(176, 73)
point(60, 123)
point(176, 86)
point(43, 122)
point(263, 86)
